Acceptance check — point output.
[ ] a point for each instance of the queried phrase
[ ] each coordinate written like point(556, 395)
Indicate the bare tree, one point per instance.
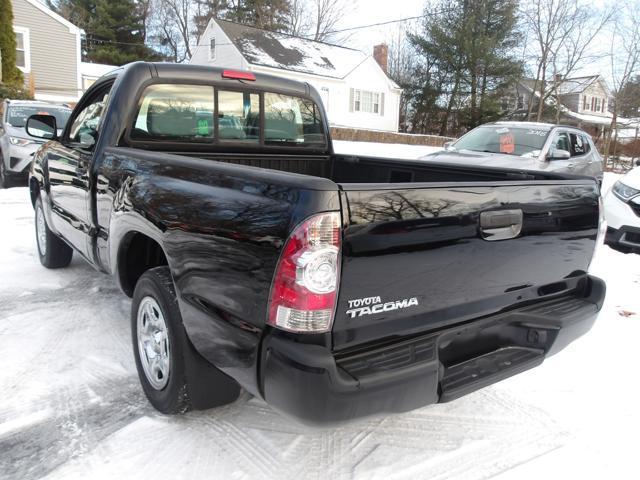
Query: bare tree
point(401, 65)
point(299, 19)
point(625, 62)
point(564, 31)
point(317, 19)
point(180, 12)
point(170, 27)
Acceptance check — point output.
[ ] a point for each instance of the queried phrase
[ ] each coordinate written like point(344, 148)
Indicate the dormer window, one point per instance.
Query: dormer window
point(212, 48)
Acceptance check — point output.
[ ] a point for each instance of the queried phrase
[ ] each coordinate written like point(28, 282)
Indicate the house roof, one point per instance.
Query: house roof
point(288, 52)
point(567, 86)
point(576, 85)
point(72, 28)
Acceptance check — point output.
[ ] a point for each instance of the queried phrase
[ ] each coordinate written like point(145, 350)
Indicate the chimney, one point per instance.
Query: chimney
point(381, 54)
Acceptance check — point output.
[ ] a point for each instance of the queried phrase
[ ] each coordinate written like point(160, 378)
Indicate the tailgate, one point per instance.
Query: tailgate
point(431, 255)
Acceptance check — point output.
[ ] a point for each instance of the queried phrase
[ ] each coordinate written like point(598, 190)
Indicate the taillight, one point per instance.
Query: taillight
point(305, 286)
point(238, 75)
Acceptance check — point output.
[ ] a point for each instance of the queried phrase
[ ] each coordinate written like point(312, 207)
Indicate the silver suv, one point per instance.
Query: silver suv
point(527, 146)
point(16, 147)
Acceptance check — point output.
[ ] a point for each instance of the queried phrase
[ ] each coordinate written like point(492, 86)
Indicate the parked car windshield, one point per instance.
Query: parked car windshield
point(520, 141)
point(17, 115)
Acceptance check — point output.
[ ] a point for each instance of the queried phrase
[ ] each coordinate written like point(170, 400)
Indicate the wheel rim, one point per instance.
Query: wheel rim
point(41, 231)
point(153, 343)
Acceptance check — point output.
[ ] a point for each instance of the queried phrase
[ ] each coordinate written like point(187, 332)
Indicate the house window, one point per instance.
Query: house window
point(367, 102)
point(593, 104)
point(23, 54)
point(585, 105)
point(604, 105)
point(597, 104)
point(212, 48)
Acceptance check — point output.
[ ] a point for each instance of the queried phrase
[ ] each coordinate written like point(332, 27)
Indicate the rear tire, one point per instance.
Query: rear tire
point(175, 378)
point(53, 252)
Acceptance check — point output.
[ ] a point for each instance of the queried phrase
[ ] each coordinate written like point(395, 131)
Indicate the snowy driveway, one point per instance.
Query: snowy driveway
point(71, 407)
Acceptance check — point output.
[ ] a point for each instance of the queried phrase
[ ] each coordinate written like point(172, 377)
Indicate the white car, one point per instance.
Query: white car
point(622, 212)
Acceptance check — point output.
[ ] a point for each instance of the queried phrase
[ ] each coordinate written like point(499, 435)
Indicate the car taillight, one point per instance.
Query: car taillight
point(305, 285)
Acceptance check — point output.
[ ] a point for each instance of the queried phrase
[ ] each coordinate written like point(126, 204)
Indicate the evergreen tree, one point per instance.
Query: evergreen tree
point(629, 98)
point(11, 75)
point(466, 64)
point(114, 29)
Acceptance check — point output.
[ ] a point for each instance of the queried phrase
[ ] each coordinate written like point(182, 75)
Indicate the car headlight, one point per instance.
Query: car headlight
point(21, 142)
point(624, 192)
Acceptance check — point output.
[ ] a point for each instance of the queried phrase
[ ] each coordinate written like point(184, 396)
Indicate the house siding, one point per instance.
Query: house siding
point(572, 102)
point(595, 90)
point(54, 52)
point(227, 55)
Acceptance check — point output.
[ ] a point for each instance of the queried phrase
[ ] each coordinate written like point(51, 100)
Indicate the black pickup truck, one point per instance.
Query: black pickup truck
point(331, 286)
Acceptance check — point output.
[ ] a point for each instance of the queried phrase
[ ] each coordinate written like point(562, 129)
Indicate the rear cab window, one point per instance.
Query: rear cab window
point(204, 114)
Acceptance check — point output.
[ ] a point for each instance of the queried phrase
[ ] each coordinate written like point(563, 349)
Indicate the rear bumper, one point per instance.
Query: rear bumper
point(317, 387)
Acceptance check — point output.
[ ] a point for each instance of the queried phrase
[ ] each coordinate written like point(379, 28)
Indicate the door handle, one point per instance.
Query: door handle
point(500, 224)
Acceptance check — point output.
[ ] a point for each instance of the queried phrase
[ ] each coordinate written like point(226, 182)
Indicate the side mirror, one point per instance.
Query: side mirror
point(447, 145)
point(42, 126)
point(558, 154)
point(637, 162)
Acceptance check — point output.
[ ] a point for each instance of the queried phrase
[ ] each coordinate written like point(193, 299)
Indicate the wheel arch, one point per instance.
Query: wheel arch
point(137, 253)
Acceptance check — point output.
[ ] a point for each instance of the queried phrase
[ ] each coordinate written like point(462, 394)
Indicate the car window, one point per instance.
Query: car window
point(561, 142)
point(239, 116)
point(291, 121)
point(17, 115)
point(579, 144)
point(185, 113)
point(170, 112)
point(85, 127)
point(519, 141)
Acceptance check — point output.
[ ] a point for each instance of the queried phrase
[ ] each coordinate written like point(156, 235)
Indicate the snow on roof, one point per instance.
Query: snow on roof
point(567, 86)
point(95, 70)
point(604, 119)
point(288, 52)
point(576, 85)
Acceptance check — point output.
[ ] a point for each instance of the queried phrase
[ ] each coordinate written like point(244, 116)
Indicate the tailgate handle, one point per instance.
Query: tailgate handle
point(500, 224)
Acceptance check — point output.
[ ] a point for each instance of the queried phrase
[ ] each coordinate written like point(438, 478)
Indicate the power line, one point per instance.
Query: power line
point(399, 20)
point(359, 27)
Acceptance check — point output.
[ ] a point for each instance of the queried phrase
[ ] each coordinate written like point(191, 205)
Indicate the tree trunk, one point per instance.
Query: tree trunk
point(454, 92)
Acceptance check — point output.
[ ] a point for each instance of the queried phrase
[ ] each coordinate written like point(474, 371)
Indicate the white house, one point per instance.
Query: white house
point(354, 87)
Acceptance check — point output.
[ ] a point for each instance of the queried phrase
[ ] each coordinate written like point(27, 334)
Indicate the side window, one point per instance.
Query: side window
point(562, 142)
point(579, 144)
point(239, 116)
point(169, 112)
point(86, 126)
point(291, 121)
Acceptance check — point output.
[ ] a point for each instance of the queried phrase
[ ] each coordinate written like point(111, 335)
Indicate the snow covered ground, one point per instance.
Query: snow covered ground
point(71, 406)
point(389, 150)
